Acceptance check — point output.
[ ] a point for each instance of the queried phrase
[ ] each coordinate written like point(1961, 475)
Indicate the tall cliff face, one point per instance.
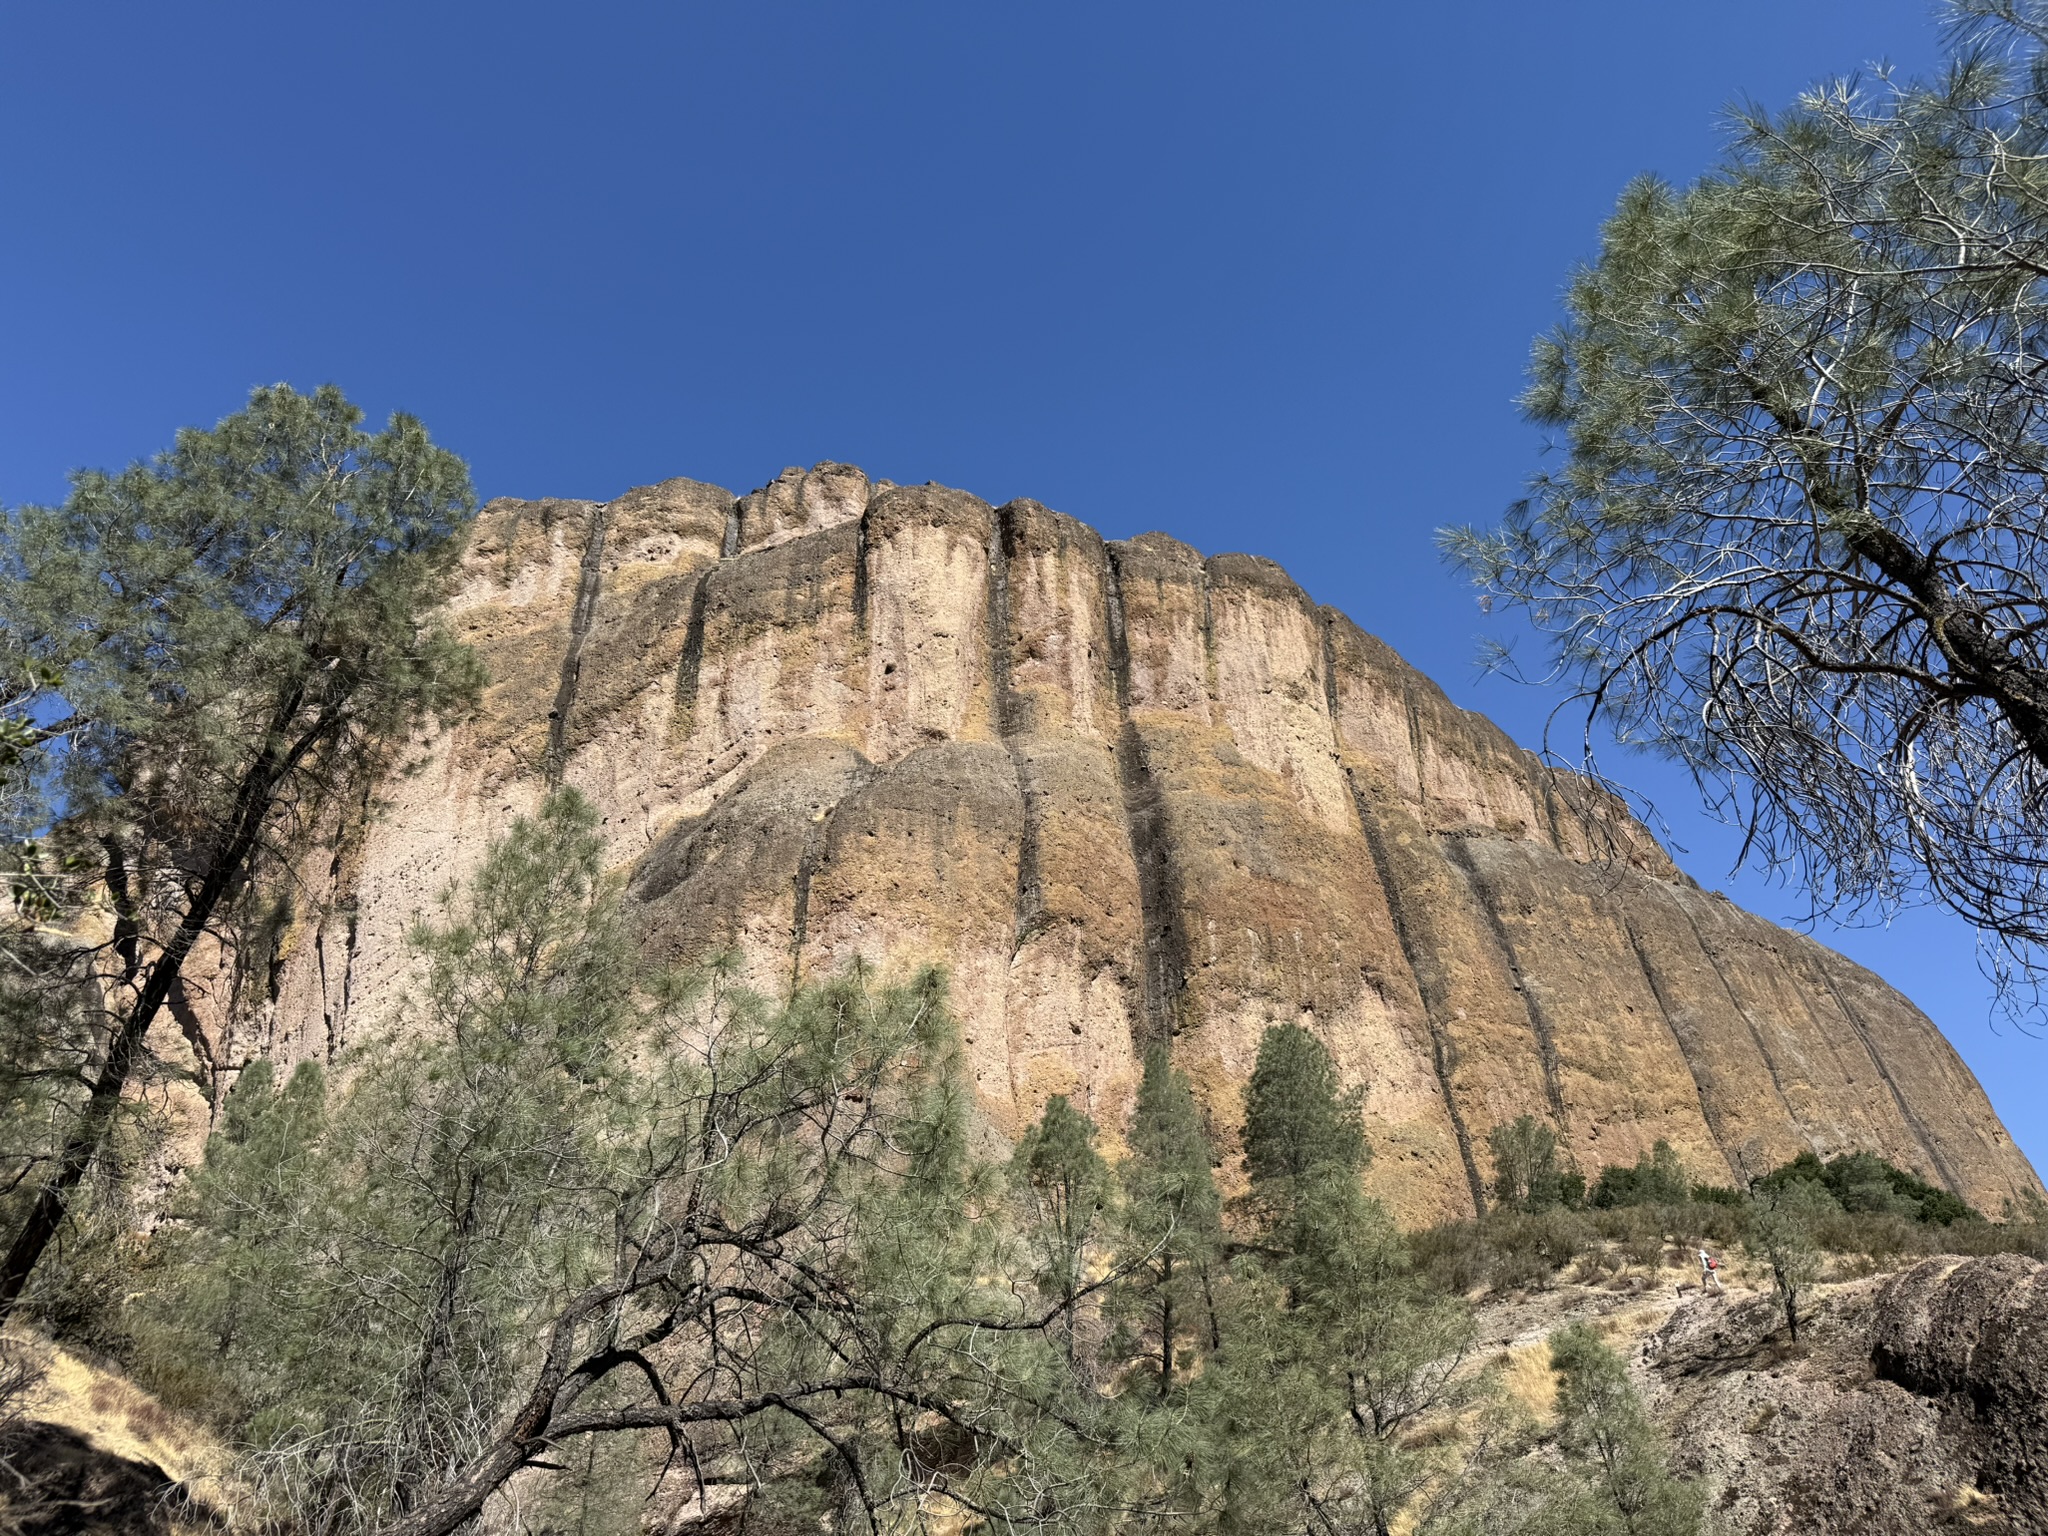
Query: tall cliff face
point(1125, 794)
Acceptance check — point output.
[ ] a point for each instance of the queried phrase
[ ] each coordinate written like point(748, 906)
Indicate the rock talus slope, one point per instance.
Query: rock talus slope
point(1126, 794)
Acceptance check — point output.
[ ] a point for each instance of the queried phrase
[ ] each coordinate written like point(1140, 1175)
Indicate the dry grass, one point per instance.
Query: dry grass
point(1526, 1376)
point(119, 1418)
point(1974, 1509)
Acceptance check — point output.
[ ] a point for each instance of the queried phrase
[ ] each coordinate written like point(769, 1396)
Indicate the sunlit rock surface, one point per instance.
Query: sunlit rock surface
point(1125, 794)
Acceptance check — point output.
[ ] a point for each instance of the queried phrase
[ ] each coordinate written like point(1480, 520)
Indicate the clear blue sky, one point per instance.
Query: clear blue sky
point(1263, 277)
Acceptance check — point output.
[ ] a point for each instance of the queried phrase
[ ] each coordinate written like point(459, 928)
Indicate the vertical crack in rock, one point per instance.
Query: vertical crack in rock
point(348, 966)
point(691, 666)
point(800, 906)
point(1422, 966)
point(1756, 1034)
point(1113, 625)
point(817, 843)
point(1928, 1142)
point(273, 971)
point(1550, 804)
point(1429, 986)
point(817, 840)
point(1163, 956)
point(1165, 942)
point(1211, 690)
point(326, 1001)
point(1009, 724)
point(730, 544)
point(343, 894)
point(1539, 1021)
point(1323, 623)
point(589, 577)
point(860, 571)
point(1415, 749)
point(1691, 1049)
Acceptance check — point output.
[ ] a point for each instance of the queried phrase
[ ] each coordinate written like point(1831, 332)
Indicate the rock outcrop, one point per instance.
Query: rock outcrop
point(1915, 1402)
point(1126, 794)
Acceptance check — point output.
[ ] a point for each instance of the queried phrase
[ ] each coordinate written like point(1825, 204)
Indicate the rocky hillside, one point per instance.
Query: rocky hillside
point(1916, 1402)
point(1125, 793)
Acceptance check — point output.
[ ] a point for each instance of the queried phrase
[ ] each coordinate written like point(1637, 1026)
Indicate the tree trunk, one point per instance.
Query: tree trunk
point(453, 1508)
point(2019, 691)
point(1209, 1304)
point(253, 802)
point(53, 1200)
point(1166, 1340)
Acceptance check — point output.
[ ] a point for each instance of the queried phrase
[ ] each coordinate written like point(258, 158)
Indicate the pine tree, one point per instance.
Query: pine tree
point(1066, 1188)
point(581, 1197)
point(361, 1271)
point(235, 1248)
point(1603, 1470)
point(1609, 1440)
point(232, 636)
point(1338, 1350)
point(1170, 1235)
point(1300, 1127)
point(1791, 536)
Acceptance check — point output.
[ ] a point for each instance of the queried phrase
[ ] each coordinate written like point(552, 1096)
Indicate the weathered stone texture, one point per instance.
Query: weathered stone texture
point(928, 618)
point(797, 502)
point(517, 605)
point(1972, 1336)
point(1916, 1402)
point(1125, 795)
point(1623, 1080)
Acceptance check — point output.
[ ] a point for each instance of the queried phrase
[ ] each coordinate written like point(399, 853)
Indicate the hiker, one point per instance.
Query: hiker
point(1710, 1271)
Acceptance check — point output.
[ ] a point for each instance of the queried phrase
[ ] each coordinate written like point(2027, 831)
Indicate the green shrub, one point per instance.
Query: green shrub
point(1882, 1237)
point(1505, 1251)
point(1656, 1178)
point(1526, 1176)
point(1718, 1225)
point(1865, 1183)
point(1643, 1249)
point(1516, 1249)
point(1529, 1250)
point(1599, 1265)
point(1615, 1223)
point(1977, 1238)
point(1452, 1256)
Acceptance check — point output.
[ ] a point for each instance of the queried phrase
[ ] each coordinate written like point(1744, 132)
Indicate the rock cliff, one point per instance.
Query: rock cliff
point(1125, 794)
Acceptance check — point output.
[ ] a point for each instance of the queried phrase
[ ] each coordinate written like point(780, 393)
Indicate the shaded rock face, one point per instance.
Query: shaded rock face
point(1917, 1402)
point(59, 1484)
point(1125, 794)
point(1973, 1336)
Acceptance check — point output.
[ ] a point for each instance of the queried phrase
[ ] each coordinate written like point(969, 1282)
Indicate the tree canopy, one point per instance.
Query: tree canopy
point(200, 654)
point(1794, 535)
point(1297, 1122)
point(576, 1198)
